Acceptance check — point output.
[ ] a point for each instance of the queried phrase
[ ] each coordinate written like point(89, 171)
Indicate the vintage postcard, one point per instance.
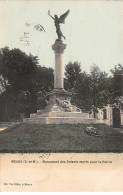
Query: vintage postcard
point(61, 96)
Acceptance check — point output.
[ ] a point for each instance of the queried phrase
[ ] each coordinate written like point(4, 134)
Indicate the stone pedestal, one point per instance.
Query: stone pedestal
point(58, 91)
point(59, 109)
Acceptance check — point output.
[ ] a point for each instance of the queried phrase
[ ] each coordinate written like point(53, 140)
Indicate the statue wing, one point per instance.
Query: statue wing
point(63, 16)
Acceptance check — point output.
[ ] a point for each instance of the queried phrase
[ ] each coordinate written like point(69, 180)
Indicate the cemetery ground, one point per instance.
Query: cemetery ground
point(61, 138)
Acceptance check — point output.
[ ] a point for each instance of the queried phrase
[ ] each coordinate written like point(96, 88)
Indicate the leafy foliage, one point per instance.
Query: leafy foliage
point(117, 80)
point(94, 89)
point(21, 78)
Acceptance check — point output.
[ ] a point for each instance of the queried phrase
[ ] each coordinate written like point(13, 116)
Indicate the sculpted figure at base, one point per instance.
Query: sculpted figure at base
point(67, 106)
point(41, 100)
point(58, 21)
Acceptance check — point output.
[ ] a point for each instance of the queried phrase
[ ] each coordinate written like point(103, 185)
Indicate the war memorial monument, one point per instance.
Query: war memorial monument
point(59, 109)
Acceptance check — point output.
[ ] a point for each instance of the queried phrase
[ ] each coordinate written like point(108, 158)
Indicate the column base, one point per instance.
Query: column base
point(59, 110)
point(59, 93)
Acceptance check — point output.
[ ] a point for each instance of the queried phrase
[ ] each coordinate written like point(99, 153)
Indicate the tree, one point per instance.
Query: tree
point(77, 82)
point(44, 79)
point(117, 81)
point(94, 89)
point(22, 78)
point(72, 74)
point(118, 69)
point(18, 77)
point(100, 87)
point(17, 68)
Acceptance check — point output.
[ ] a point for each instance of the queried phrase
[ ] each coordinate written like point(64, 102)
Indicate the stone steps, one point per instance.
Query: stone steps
point(60, 120)
point(64, 114)
point(59, 114)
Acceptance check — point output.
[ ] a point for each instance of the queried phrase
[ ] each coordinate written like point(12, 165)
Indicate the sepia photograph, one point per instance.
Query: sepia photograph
point(61, 77)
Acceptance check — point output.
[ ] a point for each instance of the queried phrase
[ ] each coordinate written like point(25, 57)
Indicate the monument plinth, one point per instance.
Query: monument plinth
point(59, 108)
point(58, 91)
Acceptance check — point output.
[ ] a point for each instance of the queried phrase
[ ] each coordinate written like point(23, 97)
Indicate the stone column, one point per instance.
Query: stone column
point(59, 47)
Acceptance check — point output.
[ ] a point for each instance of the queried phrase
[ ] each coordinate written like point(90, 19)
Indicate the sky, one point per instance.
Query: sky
point(93, 31)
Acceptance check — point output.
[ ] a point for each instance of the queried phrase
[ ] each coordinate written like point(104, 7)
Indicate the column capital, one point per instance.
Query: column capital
point(59, 47)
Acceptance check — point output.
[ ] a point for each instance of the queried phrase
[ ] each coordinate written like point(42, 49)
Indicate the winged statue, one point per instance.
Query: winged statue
point(58, 21)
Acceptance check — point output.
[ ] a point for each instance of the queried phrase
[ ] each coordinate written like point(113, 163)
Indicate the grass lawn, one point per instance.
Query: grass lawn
point(36, 138)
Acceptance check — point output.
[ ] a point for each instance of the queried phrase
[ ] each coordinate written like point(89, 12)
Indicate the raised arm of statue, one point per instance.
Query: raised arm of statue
point(50, 14)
